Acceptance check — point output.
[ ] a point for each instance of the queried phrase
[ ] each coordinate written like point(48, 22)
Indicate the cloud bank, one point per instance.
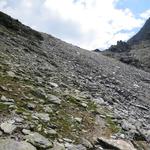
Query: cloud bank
point(89, 24)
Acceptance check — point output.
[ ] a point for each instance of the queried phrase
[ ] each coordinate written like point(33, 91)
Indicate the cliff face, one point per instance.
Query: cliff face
point(54, 94)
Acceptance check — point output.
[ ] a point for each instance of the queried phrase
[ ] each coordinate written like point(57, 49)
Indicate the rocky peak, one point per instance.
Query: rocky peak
point(120, 47)
point(142, 35)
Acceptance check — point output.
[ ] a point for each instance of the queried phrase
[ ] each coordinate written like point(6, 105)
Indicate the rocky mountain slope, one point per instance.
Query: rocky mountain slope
point(136, 51)
point(56, 96)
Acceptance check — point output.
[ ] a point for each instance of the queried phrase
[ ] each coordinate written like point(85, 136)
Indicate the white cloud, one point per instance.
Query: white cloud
point(87, 23)
point(145, 14)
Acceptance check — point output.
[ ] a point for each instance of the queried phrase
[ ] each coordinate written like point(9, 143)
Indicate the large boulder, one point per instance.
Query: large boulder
point(38, 140)
point(115, 144)
point(8, 126)
point(9, 144)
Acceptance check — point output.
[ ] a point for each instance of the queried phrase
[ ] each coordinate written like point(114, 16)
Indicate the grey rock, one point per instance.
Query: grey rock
point(8, 126)
point(4, 99)
point(43, 116)
point(53, 85)
point(18, 119)
point(51, 131)
point(99, 100)
point(67, 140)
point(26, 132)
point(31, 106)
point(11, 74)
point(86, 143)
point(39, 92)
point(115, 144)
point(76, 147)
point(38, 140)
point(83, 104)
point(145, 134)
point(127, 126)
point(79, 120)
point(48, 109)
point(53, 99)
point(57, 146)
point(10, 144)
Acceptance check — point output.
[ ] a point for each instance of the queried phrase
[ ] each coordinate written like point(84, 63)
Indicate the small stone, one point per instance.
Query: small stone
point(43, 116)
point(79, 120)
point(8, 127)
point(31, 106)
point(53, 99)
point(76, 147)
point(26, 132)
point(127, 126)
point(3, 88)
point(4, 99)
point(38, 140)
point(51, 132)
point(11, 74)
point(18, 120)
point(84, 104)
point(10, 144)
point(53, 85)
point(40, 92)
point(145, 134)
point(86, 143)
point(48, 109)
point(58, 146)
point(67, 140)
point(99, 100)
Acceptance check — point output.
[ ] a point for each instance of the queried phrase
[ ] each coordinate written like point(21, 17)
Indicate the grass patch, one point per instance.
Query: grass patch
point(112, 125)
point(92, 106)
point(3, 107)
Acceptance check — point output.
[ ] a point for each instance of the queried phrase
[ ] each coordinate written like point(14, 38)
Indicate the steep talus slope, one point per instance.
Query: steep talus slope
point(136, 51)
point(57, 87)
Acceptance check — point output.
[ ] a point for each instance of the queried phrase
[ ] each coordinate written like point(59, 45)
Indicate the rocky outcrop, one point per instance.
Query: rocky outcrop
point(136, 51)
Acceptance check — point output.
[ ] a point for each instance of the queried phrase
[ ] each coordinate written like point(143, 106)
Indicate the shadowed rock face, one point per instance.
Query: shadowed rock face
point(63, 93)
point(136, 51)
point(142, 35)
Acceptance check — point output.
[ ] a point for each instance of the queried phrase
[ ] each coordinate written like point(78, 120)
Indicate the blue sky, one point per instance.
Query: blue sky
point(89, 24)
point(137, 6)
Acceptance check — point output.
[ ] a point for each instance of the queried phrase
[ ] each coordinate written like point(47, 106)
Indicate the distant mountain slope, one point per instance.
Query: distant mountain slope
point(142, 35)
point(55, 94)
point(136, 51)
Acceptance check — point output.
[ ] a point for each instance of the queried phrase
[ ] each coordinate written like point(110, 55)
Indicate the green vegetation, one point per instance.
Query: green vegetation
point(3, 107)
point(112, 125)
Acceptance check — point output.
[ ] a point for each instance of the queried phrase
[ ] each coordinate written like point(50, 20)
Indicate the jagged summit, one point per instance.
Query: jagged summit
point(136, 51)
point(16, 26)
point(142, 35)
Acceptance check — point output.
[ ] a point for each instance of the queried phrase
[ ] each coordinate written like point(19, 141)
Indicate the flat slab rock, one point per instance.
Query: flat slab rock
point(10, 144)
point(8, 126)
point(115, 144)
point(38, 140)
